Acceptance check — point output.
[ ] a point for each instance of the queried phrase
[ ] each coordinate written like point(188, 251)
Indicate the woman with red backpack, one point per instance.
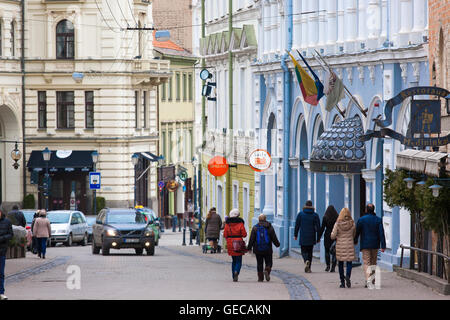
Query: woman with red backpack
point(234, 231)
point(261, 239)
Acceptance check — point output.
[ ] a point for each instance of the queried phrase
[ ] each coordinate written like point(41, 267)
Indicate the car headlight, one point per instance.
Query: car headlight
point(148, 232)
point(111, 232)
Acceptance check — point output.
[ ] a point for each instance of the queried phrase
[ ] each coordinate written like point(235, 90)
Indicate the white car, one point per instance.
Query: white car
point(68, 227)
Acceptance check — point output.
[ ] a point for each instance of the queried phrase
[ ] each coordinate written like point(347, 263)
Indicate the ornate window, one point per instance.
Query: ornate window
point(65, 40)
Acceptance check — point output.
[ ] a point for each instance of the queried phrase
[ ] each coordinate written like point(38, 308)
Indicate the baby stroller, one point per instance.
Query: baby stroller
point(207, 247)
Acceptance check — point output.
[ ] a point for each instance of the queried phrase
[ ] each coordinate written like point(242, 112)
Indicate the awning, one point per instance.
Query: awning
point(150, 156)
point(339, 150)
point(429, 163)
point(61, 160)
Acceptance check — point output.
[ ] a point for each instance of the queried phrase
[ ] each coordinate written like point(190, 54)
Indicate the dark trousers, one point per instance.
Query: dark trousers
point(341, 270)
point(2, 274)
point(42, 246)
point(261, 259)
point(328, 255)
point(236, 264)
point(307, 253)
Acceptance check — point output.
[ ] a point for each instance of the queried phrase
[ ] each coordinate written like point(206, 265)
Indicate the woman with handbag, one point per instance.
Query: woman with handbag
point(233, 232)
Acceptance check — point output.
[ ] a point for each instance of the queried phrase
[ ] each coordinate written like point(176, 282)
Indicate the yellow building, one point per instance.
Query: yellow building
point(176, 121)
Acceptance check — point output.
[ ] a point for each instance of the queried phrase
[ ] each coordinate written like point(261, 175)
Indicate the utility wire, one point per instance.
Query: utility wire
point(123, 15)
point(103, 17)
point(114, 17)
point(132, 13)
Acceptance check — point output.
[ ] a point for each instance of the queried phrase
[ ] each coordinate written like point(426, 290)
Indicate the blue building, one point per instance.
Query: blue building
point(377, 48)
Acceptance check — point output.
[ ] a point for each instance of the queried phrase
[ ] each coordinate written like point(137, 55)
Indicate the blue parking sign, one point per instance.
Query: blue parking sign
point(94, 180)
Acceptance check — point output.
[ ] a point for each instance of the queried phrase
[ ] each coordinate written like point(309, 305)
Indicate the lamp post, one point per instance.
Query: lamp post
point(46, 154)
point(94, 155)
point(135, 160)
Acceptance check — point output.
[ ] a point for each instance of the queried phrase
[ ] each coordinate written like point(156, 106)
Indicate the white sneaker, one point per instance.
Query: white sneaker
point(3, 297)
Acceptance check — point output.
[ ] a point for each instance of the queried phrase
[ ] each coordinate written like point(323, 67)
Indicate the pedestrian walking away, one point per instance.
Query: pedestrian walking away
point(233, 232)
point(328, 221)
point(262, 237)
point(6, 234)
point(42, 230)
point(370, 229)
point(308, 223)
point(34, 243)
point(16, 217)
point(213, 225)
point(344, 232)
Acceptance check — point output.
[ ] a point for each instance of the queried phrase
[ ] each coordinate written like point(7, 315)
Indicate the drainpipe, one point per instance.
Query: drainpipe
point(230, 103)
point(286, 120)
point(22, 67)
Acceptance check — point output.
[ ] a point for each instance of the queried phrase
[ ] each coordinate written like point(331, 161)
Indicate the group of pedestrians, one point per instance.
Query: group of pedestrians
point(340, 237)
point(340, 233)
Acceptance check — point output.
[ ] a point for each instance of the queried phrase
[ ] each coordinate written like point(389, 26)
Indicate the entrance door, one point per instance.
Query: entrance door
point(62, 184)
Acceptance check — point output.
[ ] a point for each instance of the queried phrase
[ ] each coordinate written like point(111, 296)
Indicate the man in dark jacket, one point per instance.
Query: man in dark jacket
point(370, 228)
point(6, 234)
point(308, 223)
point(16, 217)
point(261, 239)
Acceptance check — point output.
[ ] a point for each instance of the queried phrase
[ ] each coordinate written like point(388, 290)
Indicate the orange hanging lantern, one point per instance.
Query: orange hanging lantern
point(218, 166)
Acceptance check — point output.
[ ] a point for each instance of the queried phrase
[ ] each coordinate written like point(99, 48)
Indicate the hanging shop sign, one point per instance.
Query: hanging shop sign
point(425, 119)
point(172, 185)
point(260, 160)
point(218, 166)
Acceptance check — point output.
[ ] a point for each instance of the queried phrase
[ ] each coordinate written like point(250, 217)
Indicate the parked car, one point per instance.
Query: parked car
point(90, 221)
point(29, 214)
point(68, 227)
point(122, 228)
point(152, 221)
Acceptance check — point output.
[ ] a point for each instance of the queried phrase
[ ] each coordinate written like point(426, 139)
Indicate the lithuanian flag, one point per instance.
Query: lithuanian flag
point(312, 90)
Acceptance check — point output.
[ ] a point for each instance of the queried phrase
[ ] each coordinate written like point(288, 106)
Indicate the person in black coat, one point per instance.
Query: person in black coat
point(6, 234)
point(262, 247)
point(16, 217)
point(328, 221)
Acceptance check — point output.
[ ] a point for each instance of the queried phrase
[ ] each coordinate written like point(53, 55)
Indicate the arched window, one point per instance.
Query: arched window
point(65, 40)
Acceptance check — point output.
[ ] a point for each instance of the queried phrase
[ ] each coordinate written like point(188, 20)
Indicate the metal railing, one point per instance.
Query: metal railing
point(446, 271)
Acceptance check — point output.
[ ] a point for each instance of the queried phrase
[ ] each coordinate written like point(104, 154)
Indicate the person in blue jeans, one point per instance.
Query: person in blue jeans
point(42, 230)
point(6, 234)
point(234, 230)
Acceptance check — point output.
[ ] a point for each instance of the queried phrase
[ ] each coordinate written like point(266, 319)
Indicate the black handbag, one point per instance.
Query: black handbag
point(333, 248)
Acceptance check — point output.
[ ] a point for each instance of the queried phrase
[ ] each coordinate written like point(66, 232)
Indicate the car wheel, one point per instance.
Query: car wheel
point(95, 249)
point(69, 241)
point(139, 251)
point(105, 250)
point(151, 250)
point(85, 240)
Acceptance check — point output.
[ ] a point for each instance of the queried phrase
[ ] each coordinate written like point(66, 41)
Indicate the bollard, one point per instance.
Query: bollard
point(184, 234)
point(190, 237)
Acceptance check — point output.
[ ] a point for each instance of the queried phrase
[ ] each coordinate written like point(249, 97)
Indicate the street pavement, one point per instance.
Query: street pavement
point(184, 272)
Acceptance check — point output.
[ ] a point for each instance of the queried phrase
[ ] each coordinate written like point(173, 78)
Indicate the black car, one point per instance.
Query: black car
point(122, 228)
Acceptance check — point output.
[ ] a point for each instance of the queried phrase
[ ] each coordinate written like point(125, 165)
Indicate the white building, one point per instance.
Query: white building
point(90, 85)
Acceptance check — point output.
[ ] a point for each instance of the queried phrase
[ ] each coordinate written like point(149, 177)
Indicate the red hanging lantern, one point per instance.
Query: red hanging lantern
point(218, 166)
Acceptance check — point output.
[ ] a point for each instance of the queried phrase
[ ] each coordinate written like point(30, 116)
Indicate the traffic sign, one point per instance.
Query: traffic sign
point(161, 184)
point(183, 175)
point(94, 180)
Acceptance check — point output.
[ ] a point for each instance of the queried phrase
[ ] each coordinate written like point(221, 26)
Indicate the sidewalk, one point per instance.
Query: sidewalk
point(326, 284)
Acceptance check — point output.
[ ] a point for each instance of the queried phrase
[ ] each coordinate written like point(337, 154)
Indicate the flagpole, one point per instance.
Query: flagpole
point(336, 106)
point(347, 91)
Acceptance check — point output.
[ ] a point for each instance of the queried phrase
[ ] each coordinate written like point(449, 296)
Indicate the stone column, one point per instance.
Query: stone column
point(297, 25)
point(350, 25)
point(362, 25)
point(405, 22)
point(322, 15)
point(419, 23)
point(332, 27)
point(313, 25)
point(340, 26)
point(374, 23)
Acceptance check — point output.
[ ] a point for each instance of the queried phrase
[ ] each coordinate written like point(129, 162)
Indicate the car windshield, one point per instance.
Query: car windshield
point(58, 217)
point(28, 216)
point(126, 217)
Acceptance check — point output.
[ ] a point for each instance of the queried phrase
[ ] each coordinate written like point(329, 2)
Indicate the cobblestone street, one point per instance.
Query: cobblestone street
point(179, 272)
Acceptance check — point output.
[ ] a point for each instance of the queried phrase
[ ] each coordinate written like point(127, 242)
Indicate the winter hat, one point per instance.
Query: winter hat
point(234, 213)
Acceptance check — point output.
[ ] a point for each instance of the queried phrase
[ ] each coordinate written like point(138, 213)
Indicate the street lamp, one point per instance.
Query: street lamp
point(409, 182)
point(94, 155)
point(135, 160)
point(16, 155)
point(46, 154)
point(435, 188)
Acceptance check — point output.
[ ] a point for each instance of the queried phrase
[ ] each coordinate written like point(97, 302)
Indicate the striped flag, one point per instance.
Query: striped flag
point(312, 89)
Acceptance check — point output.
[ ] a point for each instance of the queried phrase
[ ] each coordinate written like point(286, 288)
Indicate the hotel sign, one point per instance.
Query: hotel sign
point(336, 167)
point(425, 119)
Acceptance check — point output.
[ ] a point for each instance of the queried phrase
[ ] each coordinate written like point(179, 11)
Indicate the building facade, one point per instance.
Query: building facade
point(377, 48)
point(89, 85)
point(230, 123)
point(176, 127)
